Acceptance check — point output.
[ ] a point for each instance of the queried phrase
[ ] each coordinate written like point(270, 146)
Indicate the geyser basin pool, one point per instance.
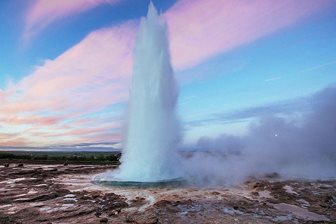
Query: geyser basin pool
point(125, 183)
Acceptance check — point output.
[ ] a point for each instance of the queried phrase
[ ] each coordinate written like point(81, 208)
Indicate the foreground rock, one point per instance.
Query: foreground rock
point(65, 194)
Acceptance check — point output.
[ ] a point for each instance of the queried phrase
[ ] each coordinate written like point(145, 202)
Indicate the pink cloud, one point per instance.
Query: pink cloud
point(103, 137)
point(202, 29)
point(95, 73)
point(30, 120)
point(85, 79)
point(42, 13)
point(99, 64)
point(16, 142)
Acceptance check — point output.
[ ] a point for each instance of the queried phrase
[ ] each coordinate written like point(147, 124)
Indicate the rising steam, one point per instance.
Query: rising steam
point(293, 149)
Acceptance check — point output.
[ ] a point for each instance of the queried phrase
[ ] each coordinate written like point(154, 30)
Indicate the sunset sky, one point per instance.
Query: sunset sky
point(66, 66)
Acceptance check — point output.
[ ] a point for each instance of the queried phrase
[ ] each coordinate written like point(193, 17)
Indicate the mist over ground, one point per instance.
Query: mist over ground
point(300, 147)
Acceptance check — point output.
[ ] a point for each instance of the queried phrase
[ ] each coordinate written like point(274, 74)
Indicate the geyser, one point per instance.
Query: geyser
point(149, 153)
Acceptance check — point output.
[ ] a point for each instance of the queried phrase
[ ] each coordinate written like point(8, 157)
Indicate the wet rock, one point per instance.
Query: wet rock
point(110, 203)
point(44, 196)
point(173, 206)
point(142, 218)
point(242, 205)
point(257, 185)
point(330, 199)
point(103, 220)
point(138, 201)
point(162, 203)
point(65, 164)
point(41, 197)
point(53, 170)
point(113, 201)
point(95, 195)
point(5, 219)
point(272, 175)
point(20, 165)
point(114, 212)
point(37, 187)
point(27, 214)
point(117, 205)
point(98, 213)
point(6, 165)
point(61, 215)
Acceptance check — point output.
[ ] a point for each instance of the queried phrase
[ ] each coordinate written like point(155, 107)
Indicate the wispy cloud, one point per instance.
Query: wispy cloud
point(317, 67)
point(42, 13)
point(202, 29)
point(272, 79)
point(242, 115)
point(89, 77)
point(302, 71)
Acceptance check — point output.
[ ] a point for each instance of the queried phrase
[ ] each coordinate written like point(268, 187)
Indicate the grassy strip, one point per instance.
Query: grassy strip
point(61, 157)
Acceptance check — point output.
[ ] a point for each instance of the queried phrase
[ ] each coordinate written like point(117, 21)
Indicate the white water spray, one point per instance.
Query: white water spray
point(153, 129)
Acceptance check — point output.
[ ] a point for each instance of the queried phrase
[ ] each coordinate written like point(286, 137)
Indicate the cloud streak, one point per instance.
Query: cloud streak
point(299, 105)
point(201, 29)
point(89, 77)
point(43, 13)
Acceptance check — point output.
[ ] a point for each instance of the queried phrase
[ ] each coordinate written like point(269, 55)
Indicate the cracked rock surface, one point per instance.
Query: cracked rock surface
point(65, 194)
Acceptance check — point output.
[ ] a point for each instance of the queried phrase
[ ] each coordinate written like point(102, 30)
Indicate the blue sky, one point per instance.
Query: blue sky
point(65, 68)
point(62, 35)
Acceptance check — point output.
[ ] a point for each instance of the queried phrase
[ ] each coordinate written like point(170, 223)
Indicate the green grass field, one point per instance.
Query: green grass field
point(60, 157)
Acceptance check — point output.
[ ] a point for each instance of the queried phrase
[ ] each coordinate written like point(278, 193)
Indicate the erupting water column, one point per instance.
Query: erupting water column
point(153, 128)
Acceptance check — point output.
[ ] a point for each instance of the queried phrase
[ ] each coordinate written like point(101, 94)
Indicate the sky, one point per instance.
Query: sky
point(66, 66)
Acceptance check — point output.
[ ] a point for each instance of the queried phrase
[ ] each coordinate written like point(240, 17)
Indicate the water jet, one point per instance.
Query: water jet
point(150, 148)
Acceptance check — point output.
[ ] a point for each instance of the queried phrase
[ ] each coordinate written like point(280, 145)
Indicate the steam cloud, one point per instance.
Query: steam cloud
point(302, 148)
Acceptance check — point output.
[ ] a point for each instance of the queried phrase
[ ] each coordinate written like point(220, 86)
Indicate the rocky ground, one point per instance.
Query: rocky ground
point(65, 194)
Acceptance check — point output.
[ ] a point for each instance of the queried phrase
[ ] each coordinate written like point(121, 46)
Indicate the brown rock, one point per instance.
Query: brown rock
point(103, 220)
point(256, 185)
point(142, 218)
point(27, 214)
point(162, 203)
point(114, 212)
point(98, 214)
point(138, 201)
